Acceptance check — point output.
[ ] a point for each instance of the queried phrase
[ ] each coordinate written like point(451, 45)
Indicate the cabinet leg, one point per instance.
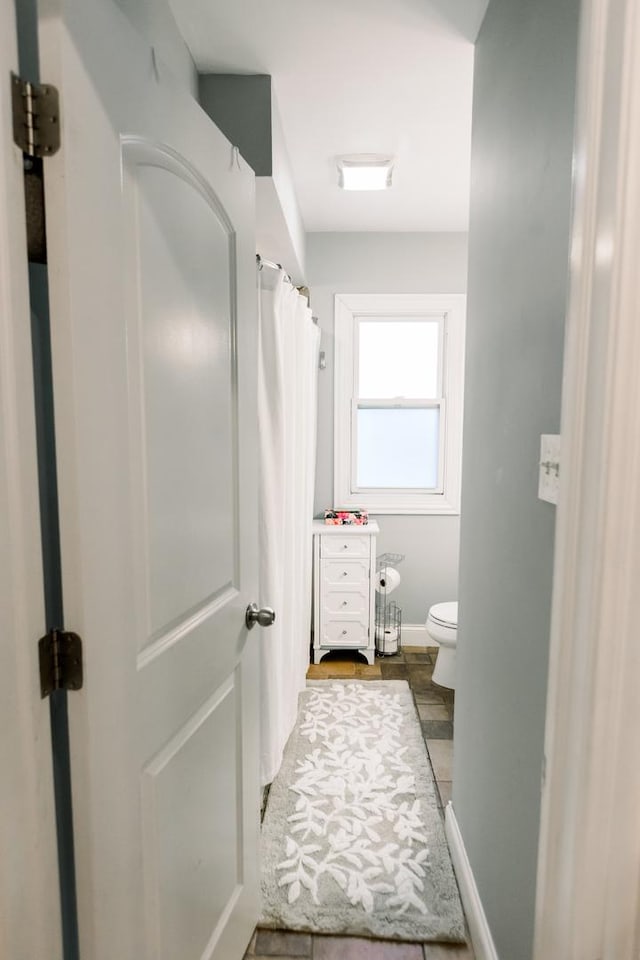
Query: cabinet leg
point(317, 656)
point(371, 656)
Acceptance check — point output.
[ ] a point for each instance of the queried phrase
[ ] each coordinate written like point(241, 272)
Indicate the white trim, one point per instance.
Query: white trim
point(348, 307)
point(415, 635)
point(588, 877)
point(29, 897)
point(481, 939)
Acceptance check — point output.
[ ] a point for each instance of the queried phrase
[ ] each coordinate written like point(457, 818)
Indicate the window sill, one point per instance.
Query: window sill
point(407, 506)
point(443, 511)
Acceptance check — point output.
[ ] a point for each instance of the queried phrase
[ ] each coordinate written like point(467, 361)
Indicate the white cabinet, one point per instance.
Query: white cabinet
point(344, 561)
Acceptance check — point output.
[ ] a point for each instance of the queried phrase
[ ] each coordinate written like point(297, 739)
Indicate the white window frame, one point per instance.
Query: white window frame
point(449, 311)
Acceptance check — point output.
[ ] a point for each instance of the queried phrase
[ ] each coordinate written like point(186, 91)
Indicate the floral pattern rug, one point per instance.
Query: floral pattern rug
point(352, 840)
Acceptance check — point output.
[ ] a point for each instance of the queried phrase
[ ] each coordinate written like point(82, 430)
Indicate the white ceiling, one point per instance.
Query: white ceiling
point(357, 76)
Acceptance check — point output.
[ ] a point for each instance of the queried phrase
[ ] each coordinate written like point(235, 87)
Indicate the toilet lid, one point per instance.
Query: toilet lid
point(445, 613)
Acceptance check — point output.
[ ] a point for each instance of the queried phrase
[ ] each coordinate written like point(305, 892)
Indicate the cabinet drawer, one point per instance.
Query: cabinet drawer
point(334, 573)
point(341, 633)
point(349, 604)
point(346, 546)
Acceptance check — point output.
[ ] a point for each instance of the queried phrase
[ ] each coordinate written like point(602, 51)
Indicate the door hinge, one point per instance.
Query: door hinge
point(36, 117)
point(60, 655)
point(36, 130)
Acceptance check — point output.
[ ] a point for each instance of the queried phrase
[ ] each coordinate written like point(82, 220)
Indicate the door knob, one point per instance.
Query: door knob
point(264, 617)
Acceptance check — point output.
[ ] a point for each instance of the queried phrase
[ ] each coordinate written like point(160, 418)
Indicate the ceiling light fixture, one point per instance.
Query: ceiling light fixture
point(365, 171)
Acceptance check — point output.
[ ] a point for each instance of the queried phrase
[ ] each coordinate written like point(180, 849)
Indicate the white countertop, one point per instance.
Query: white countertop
point(347, 529)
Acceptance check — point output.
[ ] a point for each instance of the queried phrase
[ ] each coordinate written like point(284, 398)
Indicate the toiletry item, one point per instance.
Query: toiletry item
point(387, 640)
point(387, 579)
point(340, 518)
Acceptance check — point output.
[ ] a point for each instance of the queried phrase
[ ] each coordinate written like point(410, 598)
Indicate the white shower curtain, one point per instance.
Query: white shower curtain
point(287, 405)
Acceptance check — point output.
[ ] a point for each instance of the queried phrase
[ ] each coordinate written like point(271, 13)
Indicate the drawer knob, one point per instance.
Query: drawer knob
point(344, 633)
point(344, 603)
point(345, 546)
point(345, 573)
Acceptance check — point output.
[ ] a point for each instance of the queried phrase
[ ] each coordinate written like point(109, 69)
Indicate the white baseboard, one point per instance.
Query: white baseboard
point(483, 945)
point(415, 635)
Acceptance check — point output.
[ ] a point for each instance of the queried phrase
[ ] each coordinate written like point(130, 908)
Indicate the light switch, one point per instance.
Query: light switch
point(549, 476)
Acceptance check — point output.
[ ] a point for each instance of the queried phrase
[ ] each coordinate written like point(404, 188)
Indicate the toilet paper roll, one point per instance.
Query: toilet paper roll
point(387, 580)
point(387, 639)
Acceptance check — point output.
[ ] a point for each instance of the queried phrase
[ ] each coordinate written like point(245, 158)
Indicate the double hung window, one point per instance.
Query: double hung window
point(398, 402)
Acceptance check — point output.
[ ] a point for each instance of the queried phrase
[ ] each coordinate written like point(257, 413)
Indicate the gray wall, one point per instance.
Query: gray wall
point(523, 112)
point(388, 263)
point(240, 105)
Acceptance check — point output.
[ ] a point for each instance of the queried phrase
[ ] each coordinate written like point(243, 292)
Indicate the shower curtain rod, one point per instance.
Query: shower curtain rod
point(271, 263)
point(304, 291)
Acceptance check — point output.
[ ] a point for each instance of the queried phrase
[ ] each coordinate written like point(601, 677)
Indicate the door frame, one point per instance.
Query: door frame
point(29, 903)
point(588, 877)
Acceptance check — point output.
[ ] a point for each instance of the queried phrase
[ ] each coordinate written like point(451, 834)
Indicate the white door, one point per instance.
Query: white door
point(29, 904)
point(153, 310)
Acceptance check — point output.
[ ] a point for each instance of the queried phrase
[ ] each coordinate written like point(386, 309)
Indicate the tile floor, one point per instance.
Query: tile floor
point(280, 944)
point(435, 708)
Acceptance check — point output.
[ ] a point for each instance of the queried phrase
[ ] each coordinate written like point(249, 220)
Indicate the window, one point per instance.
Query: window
point(398, 402)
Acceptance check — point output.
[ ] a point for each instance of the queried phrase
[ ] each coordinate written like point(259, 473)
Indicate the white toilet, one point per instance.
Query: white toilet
point(442, 626)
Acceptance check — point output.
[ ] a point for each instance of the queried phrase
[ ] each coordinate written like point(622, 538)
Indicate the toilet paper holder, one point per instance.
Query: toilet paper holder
point(388, 615)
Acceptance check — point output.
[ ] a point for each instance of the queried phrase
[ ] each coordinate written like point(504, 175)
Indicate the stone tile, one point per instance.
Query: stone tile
point(426, 689)
point(251, 948)
point(433, 711)
point(368, 671)
point(448, 951)
point(444, 789)
point(420, 673)
point(329, 665)
point(317, 671)
point(356, 948)
point(441, 754)
point(418, 658)
point(339, 668)
point(415, 649)
point(394, 671)
point(437, 729)
point(433, 651)
point(428, 695)
point(398, 657)
point(282, 943)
